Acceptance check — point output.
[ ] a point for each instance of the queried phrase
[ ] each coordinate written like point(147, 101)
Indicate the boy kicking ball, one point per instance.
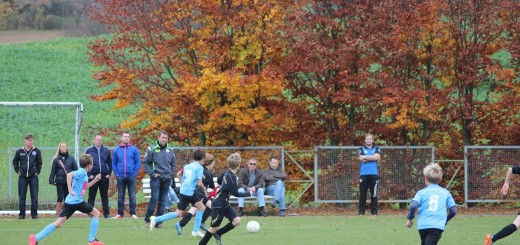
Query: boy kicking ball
point(432, 201)
point(77, 183)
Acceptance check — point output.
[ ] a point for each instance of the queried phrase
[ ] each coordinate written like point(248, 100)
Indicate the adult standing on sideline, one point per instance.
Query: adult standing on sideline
point(27, 164)
point(369, 155)
point(62, 164)
point(102, 165)
point(126, 162)
point(251, 179)
point(274, 182)
point(159, 163)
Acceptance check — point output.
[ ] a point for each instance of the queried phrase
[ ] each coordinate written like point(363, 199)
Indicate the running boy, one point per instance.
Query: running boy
point(191, 178)
point(77, 183)
point(220, 206)
point(511, 228)
point(432, 202)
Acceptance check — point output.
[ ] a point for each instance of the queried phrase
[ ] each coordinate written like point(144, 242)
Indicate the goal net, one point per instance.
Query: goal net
point(50, 123)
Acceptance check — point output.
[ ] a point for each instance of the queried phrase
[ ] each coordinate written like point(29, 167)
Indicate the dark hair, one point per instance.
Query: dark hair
point(162, 132)
point(274, 157)
point(28, 136)
point(85, 160)
point(199, 154)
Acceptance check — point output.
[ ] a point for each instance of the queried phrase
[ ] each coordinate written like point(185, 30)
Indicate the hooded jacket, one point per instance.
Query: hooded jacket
point(126, 160)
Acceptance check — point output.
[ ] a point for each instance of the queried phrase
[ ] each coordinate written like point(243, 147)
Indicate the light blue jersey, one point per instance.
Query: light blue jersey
point(79, 185)
point(192, 173)
point(433, 204)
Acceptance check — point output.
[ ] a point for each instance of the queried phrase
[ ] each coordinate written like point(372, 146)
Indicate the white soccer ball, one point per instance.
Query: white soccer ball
point(253, 226)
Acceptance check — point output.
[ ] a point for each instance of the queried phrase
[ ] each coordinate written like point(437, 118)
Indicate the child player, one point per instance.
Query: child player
point(432, 201)
point(220, 206)
point(77, 183)
point(511, 228)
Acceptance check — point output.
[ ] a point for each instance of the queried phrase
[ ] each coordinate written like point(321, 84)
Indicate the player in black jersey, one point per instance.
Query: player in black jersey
point(220, 206)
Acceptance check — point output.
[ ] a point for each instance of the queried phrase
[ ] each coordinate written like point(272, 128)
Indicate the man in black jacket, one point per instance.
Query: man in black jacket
point(159, 162)
point(102, 165)
point(27, 163)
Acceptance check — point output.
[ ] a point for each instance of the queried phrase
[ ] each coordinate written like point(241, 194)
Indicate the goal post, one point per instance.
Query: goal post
point(50, 123)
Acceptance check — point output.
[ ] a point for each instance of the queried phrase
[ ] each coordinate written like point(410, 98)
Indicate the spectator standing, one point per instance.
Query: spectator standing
point(27, 164)
point(102, 166)
point(62, 164)
point(126, 162)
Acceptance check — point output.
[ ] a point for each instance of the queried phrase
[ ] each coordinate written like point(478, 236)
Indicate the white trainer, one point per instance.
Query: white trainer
point(197, 234)
point(152, 223)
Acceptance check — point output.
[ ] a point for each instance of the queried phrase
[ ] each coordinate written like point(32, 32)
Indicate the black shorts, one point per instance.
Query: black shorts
point(430, 236)
point(201, 196)
point(218, 214)
point(185, 200)
point(69, 209)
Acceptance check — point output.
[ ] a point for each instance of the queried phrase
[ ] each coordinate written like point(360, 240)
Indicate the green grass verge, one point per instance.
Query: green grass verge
point(385, 229)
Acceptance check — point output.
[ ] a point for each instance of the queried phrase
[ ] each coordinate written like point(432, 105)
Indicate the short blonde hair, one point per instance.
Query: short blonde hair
point(433, 172)
point(234, 160)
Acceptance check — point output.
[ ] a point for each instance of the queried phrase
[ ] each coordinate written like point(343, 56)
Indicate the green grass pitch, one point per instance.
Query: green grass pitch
point(322, 230)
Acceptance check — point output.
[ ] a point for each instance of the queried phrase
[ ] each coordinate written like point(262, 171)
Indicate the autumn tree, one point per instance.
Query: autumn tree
point(200, 69)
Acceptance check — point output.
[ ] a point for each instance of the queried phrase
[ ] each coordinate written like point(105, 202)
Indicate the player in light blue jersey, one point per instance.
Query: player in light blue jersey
point(432, 201)
point(77, 183)
point(191, 178)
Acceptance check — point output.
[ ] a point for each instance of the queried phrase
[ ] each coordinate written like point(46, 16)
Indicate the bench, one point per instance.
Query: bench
point(232, 199)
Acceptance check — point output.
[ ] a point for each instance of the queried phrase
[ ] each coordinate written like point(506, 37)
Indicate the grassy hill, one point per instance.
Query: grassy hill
point(56, 70)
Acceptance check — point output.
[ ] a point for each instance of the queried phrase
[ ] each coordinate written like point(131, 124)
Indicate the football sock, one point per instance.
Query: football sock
point(94, 224)
point(225, 229)
point(185, 219)
point(198, 220)
point(206, 214)
point(506, 231)
point(206, 238)
point(164, 217)
point(45, 232)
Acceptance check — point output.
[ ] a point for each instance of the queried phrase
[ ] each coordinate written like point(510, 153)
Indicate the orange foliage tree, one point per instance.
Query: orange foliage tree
point(199, 69)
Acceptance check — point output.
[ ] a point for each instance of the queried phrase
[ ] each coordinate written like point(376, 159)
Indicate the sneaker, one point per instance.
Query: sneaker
point(488, 240)
point(197, 234)
point(281, 213)
point(218, 238)
point(32, 240)
point(152, 223)
point(134, 216)
point(118, 216)
point(203, 227)
point(179, 228)
point(96, 242)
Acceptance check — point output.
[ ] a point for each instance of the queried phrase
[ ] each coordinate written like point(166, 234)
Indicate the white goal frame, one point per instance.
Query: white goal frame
point(78, 122)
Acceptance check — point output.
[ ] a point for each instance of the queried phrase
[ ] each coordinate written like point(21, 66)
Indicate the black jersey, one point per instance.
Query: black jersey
point(228, 187)
point(207, 179)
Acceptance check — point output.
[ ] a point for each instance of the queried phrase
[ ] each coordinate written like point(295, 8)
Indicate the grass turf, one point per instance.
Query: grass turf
point(384, 229)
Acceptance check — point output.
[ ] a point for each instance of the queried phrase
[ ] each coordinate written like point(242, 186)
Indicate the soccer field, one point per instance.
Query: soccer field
point(322, 230)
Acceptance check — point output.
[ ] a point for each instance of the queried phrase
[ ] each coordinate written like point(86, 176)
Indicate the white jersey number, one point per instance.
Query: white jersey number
point(433, 204)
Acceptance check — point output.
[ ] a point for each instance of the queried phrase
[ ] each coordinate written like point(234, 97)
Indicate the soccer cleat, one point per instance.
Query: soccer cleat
point(197, 234)
point(96, 242)
point(218, 238)
point(488, 240)
point(32, 240)
point(118, 216)
point(203, 227)
point(152, 223)
point(134, 216)
point(179, 228)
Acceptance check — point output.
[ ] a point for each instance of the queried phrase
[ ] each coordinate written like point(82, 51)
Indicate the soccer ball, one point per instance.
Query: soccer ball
point(253, 227)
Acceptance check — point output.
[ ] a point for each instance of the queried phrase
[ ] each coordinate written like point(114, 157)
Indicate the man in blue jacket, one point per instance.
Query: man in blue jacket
point(103, 166)
point(126, 162)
